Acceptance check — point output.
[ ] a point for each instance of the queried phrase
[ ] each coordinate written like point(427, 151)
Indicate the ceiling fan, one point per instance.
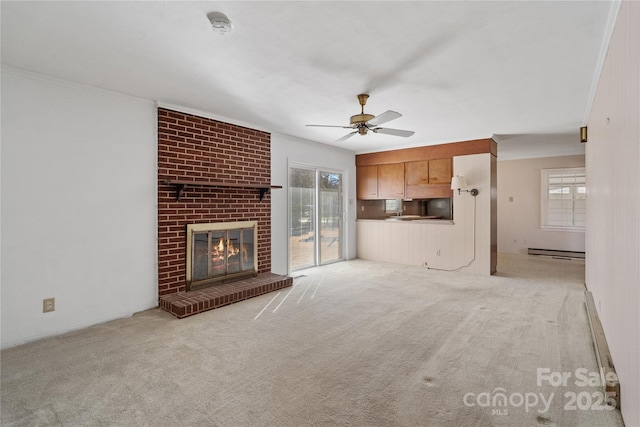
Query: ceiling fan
point(363, 123)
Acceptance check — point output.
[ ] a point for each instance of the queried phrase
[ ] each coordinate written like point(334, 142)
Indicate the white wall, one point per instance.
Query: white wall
point(78, 206)
point(519, 220)
point(286, 149)
point(613, 205)
point(476, 169)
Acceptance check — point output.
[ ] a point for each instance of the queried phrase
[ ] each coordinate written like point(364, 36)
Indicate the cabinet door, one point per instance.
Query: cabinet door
point(391, 181)
point(440, 171)
point(367, 182)
point(416, 176)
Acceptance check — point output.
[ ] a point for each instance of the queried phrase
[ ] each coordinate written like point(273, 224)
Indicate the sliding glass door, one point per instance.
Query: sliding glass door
point(302, 223)
point(330, 218)
point(316, 215)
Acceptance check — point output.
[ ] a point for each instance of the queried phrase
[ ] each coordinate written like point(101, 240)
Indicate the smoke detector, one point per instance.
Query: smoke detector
point(220, 23)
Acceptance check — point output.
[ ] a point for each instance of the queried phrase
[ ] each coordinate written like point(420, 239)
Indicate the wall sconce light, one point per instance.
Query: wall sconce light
point(583, 134)
point(460, 183)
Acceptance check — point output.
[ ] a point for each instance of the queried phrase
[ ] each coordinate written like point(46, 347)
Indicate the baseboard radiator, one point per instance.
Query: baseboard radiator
point(556, 253)
point(608, 375)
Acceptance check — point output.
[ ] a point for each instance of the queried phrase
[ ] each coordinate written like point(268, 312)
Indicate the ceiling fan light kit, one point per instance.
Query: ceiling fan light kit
point(363, 122)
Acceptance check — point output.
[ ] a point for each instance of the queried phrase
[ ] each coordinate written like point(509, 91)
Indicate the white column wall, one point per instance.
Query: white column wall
point(78, 206)
point(476, 169)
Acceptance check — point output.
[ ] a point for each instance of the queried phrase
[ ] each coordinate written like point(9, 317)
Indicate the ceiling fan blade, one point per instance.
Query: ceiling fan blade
point(347, 136)
point(394, 132)
point(330, 126)
point(385, 117)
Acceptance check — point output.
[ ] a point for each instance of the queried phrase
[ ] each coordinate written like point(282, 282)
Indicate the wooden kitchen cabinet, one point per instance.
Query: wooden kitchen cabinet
point(367, 182)
point(391, 181)
point(440, 171)
point(428, 179)
point(416, 179)
point(422, 179)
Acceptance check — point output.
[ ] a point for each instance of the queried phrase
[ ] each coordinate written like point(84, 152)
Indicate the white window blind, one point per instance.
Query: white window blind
point(564, 199)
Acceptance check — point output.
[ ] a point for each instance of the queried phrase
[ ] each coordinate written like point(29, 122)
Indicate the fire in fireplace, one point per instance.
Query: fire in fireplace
point(221, 252)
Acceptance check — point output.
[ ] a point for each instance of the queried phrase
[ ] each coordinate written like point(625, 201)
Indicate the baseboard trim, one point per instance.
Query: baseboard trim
point(556, 253)
point(603, 355)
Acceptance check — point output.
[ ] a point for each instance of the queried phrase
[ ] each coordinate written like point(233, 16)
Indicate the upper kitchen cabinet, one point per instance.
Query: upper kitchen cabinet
point(414, 173)
point(426, 179)
point(416, 176)
point(440, 171)
point(391, 181)
point(367, 182)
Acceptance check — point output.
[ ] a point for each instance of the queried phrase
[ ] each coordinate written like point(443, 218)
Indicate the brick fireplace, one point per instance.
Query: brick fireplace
point(210, 172)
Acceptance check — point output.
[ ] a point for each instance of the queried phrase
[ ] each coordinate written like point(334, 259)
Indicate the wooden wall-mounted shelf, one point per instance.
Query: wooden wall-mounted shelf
point(181, 185)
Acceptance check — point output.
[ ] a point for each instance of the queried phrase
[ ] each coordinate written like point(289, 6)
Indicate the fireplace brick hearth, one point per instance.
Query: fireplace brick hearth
point(193, 148)
point(184, 304)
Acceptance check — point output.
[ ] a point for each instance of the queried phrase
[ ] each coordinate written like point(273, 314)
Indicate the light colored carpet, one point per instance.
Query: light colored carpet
point(353, 343)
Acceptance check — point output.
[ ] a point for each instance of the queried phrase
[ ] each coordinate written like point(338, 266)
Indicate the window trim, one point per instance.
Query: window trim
point(544, 200)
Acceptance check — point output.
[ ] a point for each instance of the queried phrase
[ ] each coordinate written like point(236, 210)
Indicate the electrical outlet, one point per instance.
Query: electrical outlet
point(425, 263)
point(48, 304)
point(438, 253)
point(362, 208)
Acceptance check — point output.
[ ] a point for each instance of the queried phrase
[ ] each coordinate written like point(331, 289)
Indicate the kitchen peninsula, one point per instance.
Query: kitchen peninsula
point(395, 222)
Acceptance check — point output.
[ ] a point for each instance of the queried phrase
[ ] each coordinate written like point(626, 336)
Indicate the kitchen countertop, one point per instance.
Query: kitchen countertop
point(418, 219)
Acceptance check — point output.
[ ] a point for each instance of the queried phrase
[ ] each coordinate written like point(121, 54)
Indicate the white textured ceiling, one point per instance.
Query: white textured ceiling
point(522, 72)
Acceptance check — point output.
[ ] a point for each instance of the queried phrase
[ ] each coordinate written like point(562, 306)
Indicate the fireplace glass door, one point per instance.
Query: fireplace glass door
point(222, 252)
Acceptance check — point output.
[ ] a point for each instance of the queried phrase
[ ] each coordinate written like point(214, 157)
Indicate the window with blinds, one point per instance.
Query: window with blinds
point(564, 199)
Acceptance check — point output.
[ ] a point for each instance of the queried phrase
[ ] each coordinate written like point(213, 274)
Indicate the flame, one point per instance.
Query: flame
point(217, 252)
point(231, 250)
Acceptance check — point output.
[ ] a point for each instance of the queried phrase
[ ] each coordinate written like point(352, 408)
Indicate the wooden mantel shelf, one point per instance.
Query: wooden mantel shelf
point(181, 185)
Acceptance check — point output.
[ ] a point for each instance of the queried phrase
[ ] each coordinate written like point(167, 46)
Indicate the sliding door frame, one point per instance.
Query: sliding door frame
point(343, 215)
